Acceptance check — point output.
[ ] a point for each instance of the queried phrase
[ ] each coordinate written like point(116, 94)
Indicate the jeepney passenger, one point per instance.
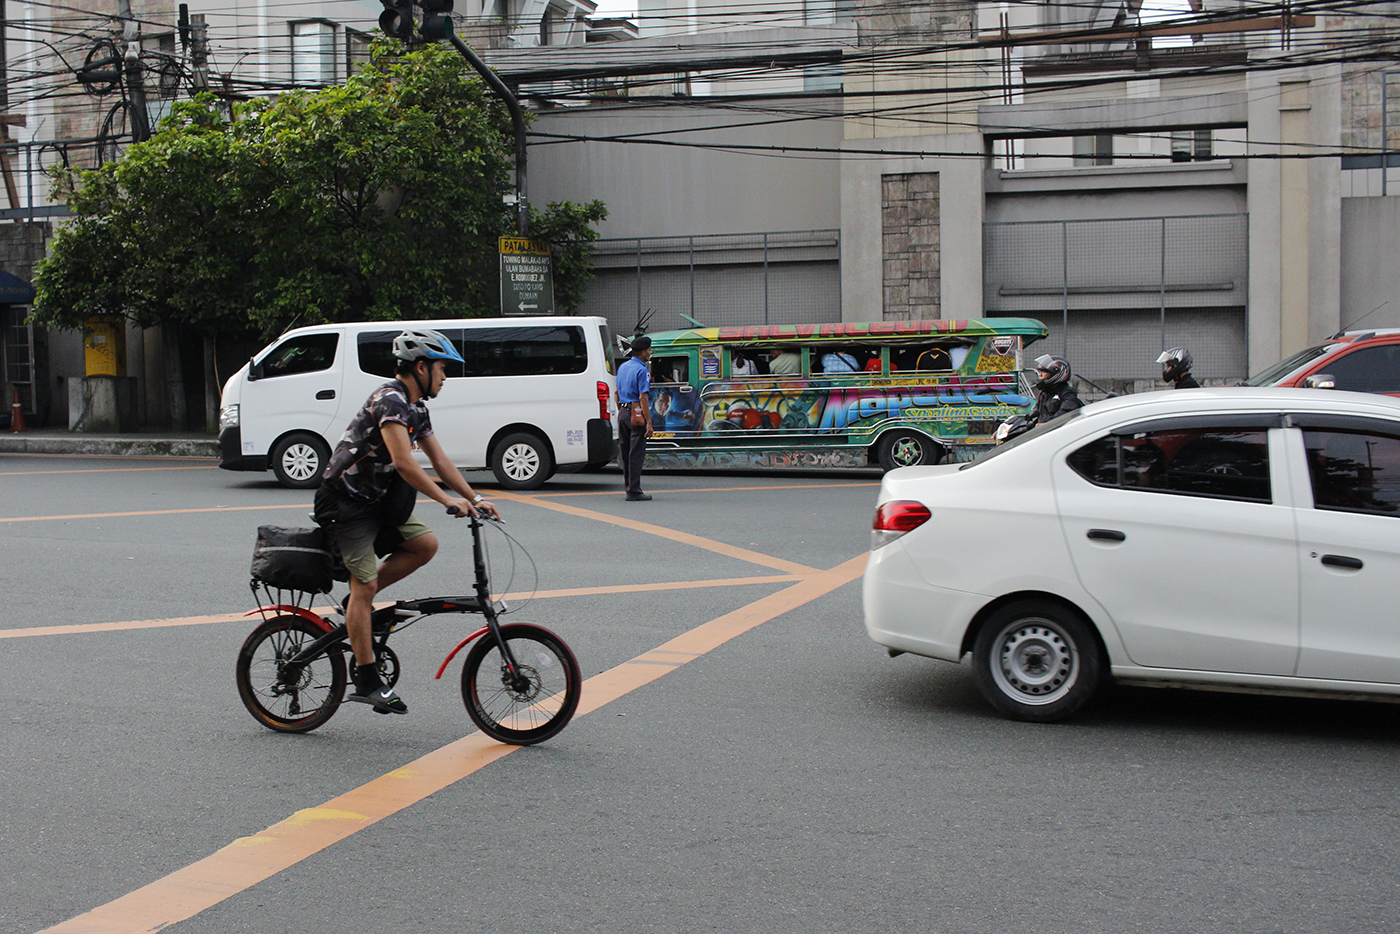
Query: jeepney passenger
point(784, 362)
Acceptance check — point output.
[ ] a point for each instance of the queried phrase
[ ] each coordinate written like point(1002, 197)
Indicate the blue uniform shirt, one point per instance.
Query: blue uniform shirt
point(633, 379)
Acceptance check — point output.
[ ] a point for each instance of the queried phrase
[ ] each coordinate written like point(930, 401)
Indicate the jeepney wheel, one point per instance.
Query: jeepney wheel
point(906, 449)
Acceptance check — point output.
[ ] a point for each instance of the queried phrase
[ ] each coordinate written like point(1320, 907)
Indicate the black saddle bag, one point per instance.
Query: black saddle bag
point(294, 559)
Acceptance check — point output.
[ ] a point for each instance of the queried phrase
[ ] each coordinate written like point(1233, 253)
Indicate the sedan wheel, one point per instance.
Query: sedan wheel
point(1036, 661)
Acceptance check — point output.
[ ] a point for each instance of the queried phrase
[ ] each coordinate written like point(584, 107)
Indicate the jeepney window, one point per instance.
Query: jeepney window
point(933, 358)
point(832, 360)
point(782, 361)
point(744, 363)
point(670, 369)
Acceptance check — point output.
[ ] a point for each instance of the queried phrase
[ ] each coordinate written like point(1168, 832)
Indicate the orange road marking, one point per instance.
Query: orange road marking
point(154, 512)
point(250, 860)
point(685, 538)
point(44, 473)
point(78, 628)
point(709, 489)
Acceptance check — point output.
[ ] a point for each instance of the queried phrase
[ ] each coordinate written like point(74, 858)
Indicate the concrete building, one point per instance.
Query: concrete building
point(1220, 177)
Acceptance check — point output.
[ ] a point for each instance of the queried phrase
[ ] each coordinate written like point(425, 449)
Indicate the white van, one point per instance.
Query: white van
point(534, 396)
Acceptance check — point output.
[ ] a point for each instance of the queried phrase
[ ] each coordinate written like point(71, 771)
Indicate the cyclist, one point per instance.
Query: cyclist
point(1176, 368)
point(365, 501)
point(1054, 395)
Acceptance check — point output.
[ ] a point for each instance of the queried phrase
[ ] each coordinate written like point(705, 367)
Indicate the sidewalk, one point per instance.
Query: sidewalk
point(136, 444)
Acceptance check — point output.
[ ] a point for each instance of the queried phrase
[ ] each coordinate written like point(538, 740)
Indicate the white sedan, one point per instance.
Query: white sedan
point(1233, 538)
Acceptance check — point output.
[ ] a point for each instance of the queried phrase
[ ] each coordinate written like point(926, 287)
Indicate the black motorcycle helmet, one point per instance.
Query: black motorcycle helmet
point(1054, 372)
point(1176, 363)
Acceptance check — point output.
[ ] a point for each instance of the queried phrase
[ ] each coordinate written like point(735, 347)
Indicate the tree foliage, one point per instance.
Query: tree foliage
point(379, 199)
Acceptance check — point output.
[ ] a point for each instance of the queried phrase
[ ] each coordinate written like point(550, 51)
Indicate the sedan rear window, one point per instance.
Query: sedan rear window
point(1228, 463)
point(1354, 471)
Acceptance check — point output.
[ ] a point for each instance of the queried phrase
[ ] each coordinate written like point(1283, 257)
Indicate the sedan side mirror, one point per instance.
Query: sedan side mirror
point(1320, 381)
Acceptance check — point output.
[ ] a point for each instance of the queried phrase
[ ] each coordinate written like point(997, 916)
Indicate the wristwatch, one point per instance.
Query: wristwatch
point(478, 499)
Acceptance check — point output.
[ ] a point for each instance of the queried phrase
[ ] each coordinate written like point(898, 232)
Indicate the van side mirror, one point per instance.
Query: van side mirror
point(1320, 381)
point(255, 370)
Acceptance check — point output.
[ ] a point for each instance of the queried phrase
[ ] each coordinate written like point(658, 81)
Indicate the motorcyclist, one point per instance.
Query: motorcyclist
point(1176, 368)
point(1054, 394)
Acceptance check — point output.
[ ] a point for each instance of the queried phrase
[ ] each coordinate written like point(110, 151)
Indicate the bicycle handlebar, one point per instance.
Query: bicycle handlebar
point(454, 511)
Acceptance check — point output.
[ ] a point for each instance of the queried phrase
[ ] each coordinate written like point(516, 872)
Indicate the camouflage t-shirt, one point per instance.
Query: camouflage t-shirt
point(361, 467)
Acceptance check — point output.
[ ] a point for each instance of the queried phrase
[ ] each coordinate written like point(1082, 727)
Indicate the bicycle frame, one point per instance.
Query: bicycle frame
point(413, 611)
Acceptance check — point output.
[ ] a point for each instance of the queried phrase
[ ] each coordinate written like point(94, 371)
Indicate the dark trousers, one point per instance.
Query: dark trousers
point(632, 447)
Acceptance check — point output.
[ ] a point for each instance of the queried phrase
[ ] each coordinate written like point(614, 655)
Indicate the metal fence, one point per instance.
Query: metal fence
point(1115, 292)
point(786, 277)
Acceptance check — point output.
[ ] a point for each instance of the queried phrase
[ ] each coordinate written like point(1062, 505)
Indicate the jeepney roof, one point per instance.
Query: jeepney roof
point(891, 332)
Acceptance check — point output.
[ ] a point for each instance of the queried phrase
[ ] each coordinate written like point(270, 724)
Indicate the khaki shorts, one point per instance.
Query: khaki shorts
point(356, 544)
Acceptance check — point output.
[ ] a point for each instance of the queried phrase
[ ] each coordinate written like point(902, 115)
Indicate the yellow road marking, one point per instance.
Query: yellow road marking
point(710, 489)
point(45, 473)
point(128, 625)
point(155, 512)
point(685, 538)
point(250, 860)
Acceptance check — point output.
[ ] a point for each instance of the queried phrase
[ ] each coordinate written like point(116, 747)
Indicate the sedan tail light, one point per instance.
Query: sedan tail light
point(895, 518)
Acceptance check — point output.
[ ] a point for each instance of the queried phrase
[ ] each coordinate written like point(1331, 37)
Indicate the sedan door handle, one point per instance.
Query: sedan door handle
point(1106, 535)
point(1342, 561)
point(326, 394)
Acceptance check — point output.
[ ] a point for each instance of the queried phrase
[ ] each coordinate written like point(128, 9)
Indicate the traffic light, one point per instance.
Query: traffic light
point(437, 19)
point(397, 19)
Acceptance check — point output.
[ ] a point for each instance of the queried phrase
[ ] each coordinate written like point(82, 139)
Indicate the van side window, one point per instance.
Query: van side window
point(307, 353)
point(523, 351)
point(376, 352)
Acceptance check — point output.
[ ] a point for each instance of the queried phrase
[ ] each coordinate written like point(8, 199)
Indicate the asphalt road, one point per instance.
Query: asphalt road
point(781, 775)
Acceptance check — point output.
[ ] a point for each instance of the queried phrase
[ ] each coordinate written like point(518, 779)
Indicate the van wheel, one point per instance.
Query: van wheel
point(521, 462)
point(299, 459)
point(906, 449)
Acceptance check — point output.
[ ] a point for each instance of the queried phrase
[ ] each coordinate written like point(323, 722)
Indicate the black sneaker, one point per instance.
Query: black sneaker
point(381, 698)
point(638, 497)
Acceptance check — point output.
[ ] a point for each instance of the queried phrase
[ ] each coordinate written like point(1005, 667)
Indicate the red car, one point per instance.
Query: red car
point(1359, 361)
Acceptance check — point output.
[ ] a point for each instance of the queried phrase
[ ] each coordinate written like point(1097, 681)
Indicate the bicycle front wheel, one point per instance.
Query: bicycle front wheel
point(283, 700)
point(536, 706)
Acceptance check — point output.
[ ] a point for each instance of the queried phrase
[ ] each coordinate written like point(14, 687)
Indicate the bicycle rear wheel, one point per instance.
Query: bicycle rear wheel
point(527, 713)
point(295, 705)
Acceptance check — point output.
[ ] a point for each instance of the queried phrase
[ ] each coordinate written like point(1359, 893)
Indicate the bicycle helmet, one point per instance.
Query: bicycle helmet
point(1176, 363)
point(414, 345)
point(1054, 372)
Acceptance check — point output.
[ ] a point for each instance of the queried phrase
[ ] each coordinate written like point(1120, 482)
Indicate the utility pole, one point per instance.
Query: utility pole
point(6, 118)
point(194, 41)
point(131, 70)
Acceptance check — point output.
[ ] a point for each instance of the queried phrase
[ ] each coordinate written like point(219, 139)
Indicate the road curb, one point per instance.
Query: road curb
point(21, 443)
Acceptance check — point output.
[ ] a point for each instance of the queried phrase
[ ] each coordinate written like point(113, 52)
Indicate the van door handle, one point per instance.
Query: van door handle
point(326, 394)
point(1342, 561)
point(1106, 535)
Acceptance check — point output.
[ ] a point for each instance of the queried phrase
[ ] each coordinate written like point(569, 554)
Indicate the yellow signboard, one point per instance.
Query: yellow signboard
point(515, 246)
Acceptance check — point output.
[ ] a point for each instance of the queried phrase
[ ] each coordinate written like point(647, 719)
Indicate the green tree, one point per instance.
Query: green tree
point(377, 200)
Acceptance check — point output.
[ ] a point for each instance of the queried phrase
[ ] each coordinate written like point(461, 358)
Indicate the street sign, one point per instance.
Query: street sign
point(527, 277)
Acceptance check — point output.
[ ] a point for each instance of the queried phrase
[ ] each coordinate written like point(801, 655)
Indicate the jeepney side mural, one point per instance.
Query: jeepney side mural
point(830, 420)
